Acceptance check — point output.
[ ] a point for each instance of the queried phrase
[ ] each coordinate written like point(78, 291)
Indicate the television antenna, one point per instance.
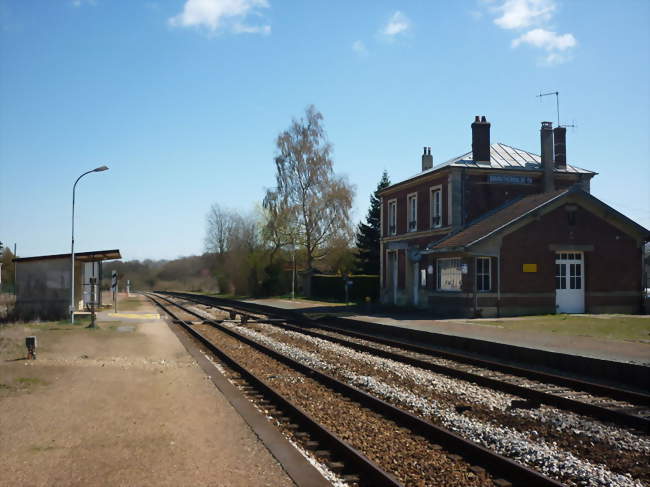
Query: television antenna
point(557, 106)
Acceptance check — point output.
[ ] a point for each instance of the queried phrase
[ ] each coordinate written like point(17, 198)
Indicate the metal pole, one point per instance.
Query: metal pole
point(74, 187)
point(15, 272)
point(293, 273)
point(72, 306)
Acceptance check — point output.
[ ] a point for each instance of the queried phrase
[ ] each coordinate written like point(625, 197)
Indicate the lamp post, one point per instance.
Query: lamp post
point(74, 187)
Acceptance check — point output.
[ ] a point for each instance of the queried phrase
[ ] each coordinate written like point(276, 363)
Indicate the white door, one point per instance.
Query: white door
point(569, 282)
point(416, 283)
point(392, 268)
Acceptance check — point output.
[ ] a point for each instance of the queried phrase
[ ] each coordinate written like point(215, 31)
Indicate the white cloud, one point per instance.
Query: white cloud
point(546, 39)
point(215, 15)
point(533, 17)
point(251, 29)
point(518, 14)
point(360, 48)
point(397, 24)
point(79, 3)
point(553, 58)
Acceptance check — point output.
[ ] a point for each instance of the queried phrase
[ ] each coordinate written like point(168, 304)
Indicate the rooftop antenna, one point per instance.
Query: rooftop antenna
point(557, 102)
point(557, 106)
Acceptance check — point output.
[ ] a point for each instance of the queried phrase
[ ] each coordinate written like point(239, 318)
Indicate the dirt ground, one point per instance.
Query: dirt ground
point(124, 405)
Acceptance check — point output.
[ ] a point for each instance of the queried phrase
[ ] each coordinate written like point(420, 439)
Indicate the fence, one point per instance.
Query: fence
point(333, 287)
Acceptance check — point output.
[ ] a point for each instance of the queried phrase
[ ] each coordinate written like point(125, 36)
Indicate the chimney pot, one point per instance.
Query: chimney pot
point(483, 119)
point(427, 159)
point(546, 139)
point(559, 146)
point(481, 140)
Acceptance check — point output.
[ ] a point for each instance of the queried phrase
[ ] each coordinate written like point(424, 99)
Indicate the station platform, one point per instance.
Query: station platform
point(124, 404)
point(635, 351)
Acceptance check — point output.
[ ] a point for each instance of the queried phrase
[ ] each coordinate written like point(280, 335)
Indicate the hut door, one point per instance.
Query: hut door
point(569, 282)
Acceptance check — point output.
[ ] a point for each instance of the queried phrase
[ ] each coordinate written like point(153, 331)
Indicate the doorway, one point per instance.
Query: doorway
point(569, 282)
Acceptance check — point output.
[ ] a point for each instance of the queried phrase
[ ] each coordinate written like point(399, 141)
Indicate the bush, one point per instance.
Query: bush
point(332, 287)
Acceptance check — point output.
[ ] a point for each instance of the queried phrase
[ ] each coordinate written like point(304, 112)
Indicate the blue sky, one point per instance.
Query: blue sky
point(184, 99)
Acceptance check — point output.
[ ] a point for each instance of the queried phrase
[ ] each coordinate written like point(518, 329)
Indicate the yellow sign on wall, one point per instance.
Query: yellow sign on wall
point(530, 267)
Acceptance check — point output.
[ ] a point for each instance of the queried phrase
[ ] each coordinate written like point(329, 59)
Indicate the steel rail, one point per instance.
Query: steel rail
point(472, 452)
point(598, 389)
point(537, 396)
point(369, 472)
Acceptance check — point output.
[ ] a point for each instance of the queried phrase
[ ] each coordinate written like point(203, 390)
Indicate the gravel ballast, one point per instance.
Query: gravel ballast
point(527, 448)
point(413, 460)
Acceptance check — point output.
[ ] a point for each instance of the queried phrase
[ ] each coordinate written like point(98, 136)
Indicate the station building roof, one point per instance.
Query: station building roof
point(502, 157)
point(93, 256)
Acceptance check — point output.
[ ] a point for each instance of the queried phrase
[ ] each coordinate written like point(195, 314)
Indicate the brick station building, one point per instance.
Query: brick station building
point(501, 231)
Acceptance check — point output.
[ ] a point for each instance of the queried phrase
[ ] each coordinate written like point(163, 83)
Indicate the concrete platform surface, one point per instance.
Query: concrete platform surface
point(617, 350)
point(124, 405)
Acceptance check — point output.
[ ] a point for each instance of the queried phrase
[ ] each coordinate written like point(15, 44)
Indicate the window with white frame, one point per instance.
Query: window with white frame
point(450, 274)
point(392, 217)
point(413, 212)
point(483, 279)
point(436, 207)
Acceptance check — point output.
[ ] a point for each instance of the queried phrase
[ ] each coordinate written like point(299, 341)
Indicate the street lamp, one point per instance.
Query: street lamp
point(74, 187)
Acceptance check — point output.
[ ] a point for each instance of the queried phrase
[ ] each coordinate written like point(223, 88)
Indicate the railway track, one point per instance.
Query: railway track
point(479, 464)
point(618, 406)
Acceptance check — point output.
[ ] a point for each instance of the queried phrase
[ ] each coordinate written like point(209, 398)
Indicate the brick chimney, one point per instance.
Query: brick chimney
point(559, 138)
point(427, 159)
point(546, 138)
point(481, 139)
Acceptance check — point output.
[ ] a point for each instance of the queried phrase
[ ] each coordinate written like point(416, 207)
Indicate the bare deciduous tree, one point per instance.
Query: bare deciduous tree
point(220, 224)
point(312, 202)
point(277, 231)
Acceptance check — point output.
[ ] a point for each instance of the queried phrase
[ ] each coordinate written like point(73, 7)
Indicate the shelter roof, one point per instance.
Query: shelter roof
point(93, 256)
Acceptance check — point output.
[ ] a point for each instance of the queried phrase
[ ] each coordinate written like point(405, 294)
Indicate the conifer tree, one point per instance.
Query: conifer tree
point(368, 233)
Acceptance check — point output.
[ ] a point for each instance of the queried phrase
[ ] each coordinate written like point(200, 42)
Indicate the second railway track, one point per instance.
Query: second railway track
point(565, 428)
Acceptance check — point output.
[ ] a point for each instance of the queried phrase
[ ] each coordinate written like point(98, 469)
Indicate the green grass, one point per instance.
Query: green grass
point(39, 449)
point(30, 381)
point(79, 322)
point(612, 327)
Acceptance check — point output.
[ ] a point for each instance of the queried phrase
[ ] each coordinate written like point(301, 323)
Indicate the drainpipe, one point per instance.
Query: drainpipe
point(498, 286)
point(475, 290)
point(644, 279)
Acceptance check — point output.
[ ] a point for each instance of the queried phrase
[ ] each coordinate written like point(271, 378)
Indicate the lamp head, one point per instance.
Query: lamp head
point(100, 168)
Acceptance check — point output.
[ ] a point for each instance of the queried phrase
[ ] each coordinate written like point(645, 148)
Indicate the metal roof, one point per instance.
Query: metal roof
point(93, 256)
point(503, 156)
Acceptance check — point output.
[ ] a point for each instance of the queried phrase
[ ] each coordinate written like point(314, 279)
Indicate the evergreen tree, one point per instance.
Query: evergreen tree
point(368, 233)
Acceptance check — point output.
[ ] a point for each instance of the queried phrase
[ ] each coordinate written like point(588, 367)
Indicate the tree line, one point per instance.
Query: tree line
point(303, 222)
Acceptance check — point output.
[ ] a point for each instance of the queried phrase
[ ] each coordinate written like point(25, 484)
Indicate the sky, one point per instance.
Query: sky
point(183, 100)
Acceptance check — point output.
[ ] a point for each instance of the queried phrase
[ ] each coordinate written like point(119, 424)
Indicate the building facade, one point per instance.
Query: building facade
point(501, 231)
